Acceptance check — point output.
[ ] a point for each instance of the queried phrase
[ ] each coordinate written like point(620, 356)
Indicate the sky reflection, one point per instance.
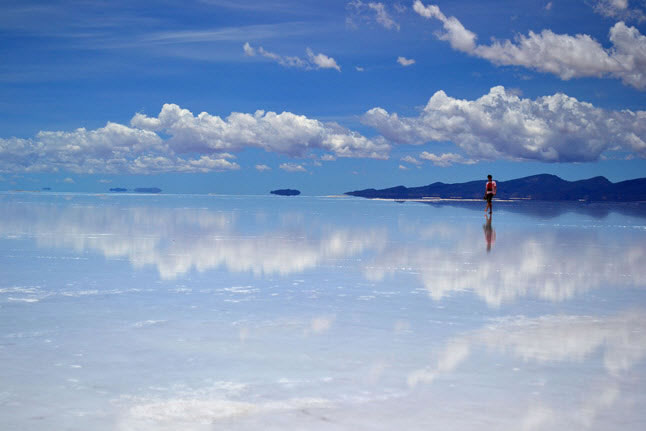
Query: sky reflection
point(446, 257)
point(586, 362)
point(550, 339)
point(247, 313)
point(550, 265)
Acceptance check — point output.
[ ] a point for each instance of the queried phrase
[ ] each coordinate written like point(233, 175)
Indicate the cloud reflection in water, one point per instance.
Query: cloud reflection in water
point(446, 258)
point(456, 365)
point(178, 240)
point(541, 265)
point(618, 341)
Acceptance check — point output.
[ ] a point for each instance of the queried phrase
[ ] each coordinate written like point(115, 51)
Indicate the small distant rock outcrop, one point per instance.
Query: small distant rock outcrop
point(286, 192)
point(118, 189)
point(543, 187)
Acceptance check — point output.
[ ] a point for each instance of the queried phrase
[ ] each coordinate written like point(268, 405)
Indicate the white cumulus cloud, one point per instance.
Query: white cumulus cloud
point(248, 50)
point(178, 141)
point(283, 60)
point(500, 124)
point(446, 159)
point(313, 61)
point(382, 16)
point(459, 37)
point(560, 54)
point(207, 164)
point(367, 11)
point(619, 9)
point(113, 148)
point(292, 167)
point(262, 168)
point(284, 133)
point(405, 61)
point(322, 61)
point(411, 160)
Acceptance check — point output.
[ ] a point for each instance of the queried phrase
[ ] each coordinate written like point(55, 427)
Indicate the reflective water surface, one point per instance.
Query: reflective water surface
point(208, 312)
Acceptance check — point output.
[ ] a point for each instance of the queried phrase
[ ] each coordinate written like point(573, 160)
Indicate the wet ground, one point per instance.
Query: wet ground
point(189, 312)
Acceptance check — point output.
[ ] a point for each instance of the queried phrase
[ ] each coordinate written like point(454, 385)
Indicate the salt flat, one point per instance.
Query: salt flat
point(192, 312)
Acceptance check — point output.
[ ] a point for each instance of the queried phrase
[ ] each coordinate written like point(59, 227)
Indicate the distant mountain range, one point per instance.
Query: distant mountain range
point(543, 187)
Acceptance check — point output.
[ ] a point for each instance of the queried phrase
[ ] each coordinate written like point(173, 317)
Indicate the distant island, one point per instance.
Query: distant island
point(137, 190)
point(47, 189)
point(147, 190)
point(542, 187)
point(285, 192)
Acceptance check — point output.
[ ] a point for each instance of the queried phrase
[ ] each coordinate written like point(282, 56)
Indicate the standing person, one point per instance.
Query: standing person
point(490, 191)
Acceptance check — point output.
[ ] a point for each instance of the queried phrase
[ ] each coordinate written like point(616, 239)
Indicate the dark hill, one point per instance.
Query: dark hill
point(285, 192)
point(543, 187)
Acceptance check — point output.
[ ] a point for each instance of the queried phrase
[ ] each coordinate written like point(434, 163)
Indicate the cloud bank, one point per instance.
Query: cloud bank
point(559, 54)
point(114, 148)
point(500, 124)
point(285, 133)
point(201, 143)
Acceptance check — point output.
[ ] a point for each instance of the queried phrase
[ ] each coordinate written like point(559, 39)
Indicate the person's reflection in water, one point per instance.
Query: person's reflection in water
point(490, 233)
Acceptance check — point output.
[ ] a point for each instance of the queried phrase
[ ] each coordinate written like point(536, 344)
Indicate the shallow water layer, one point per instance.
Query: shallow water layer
point(208, 312)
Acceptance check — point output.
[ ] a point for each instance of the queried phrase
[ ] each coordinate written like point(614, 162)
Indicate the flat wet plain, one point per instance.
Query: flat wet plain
point(189, 312)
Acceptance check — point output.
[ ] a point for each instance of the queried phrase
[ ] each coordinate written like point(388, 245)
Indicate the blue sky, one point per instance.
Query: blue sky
point(222, 96)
